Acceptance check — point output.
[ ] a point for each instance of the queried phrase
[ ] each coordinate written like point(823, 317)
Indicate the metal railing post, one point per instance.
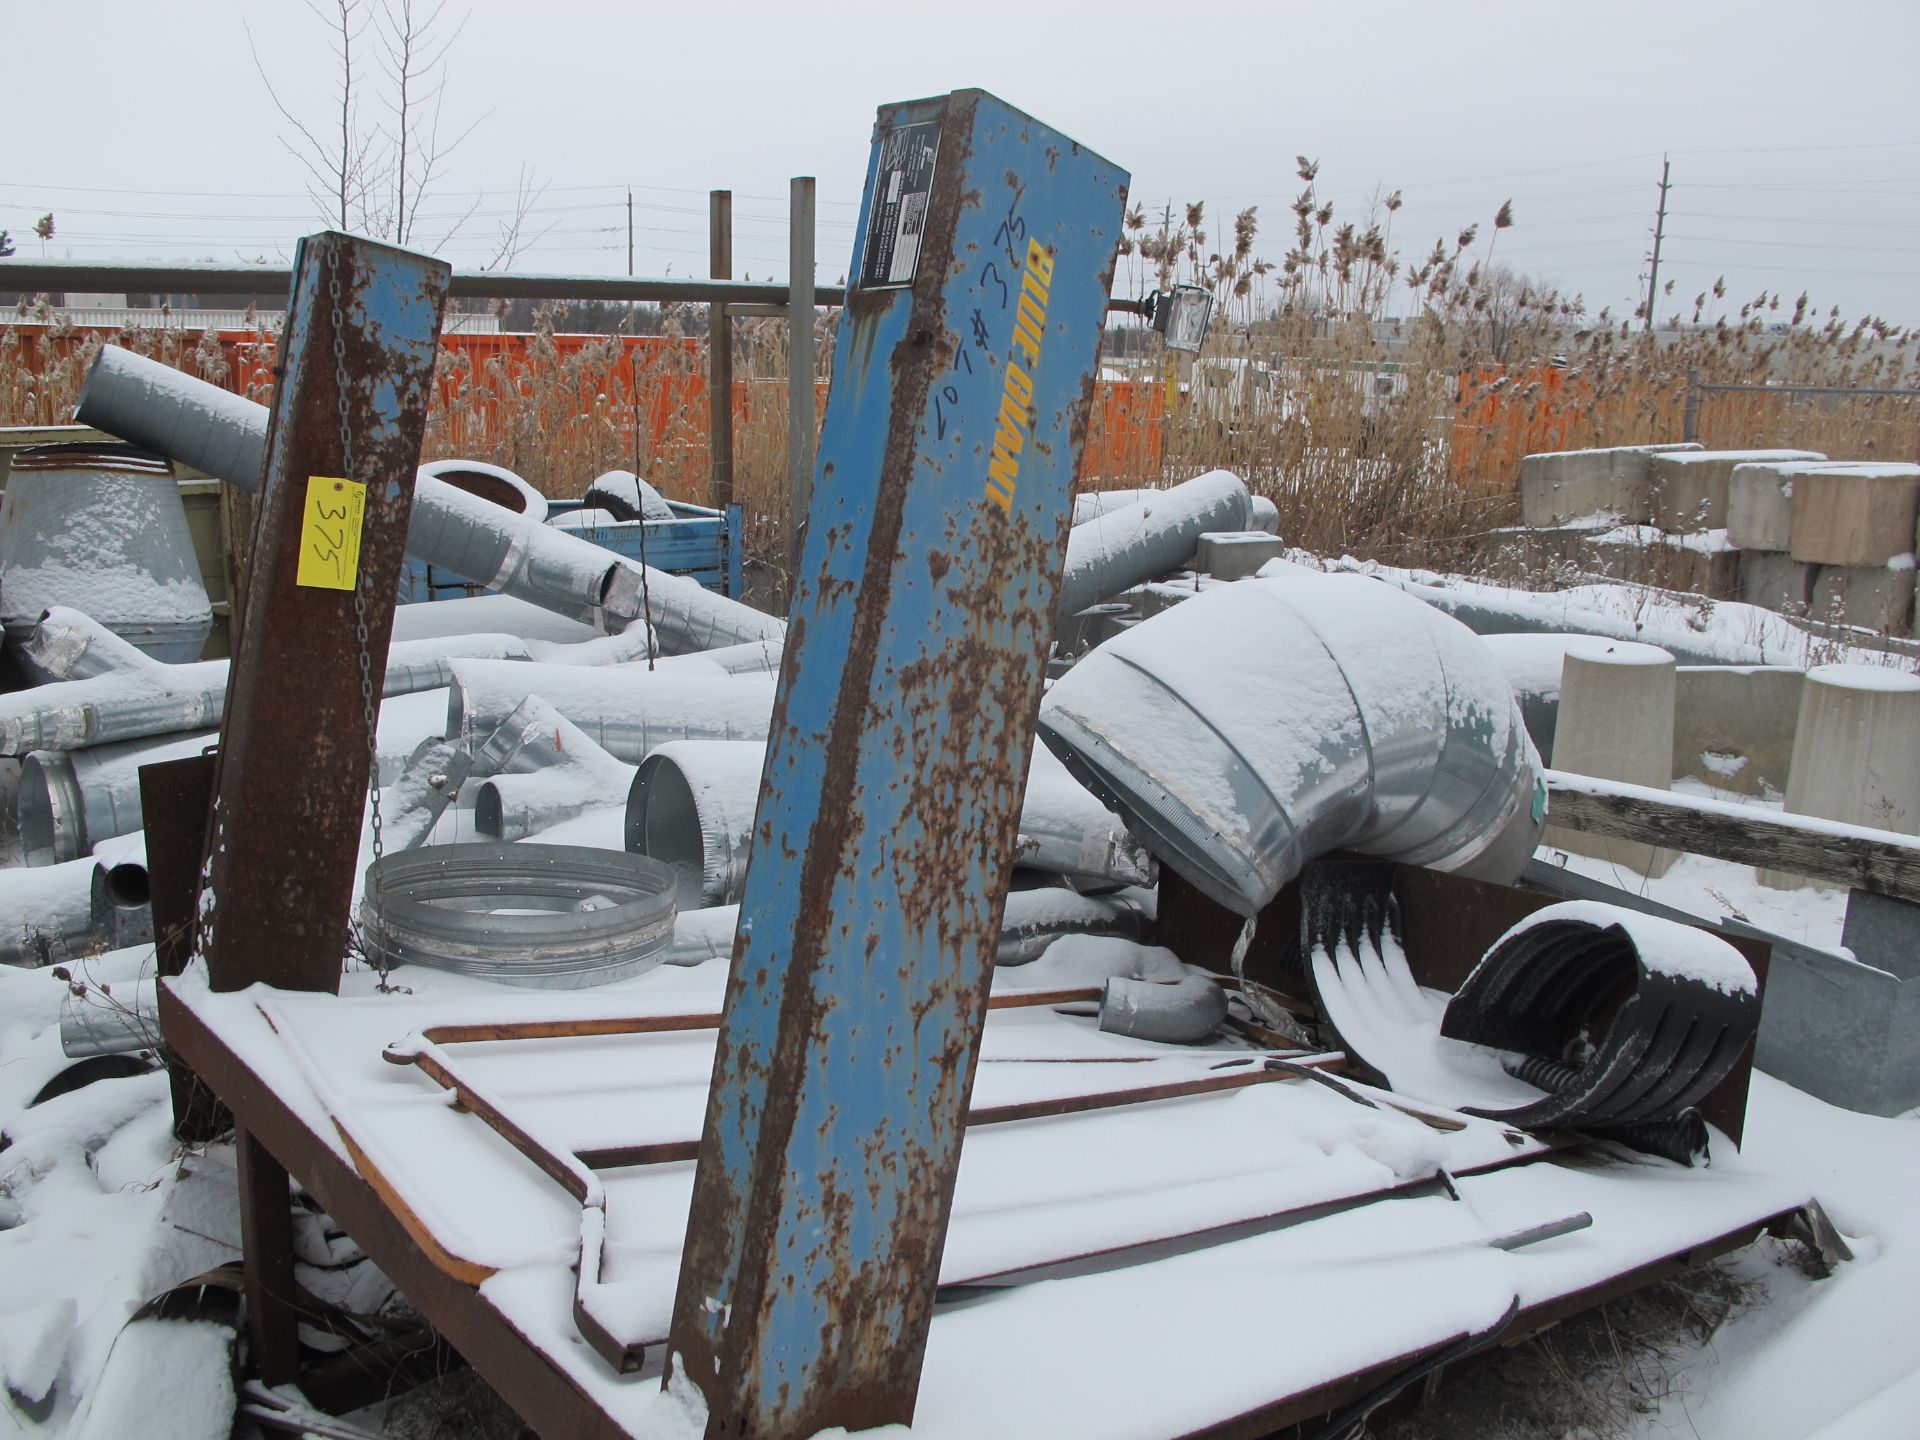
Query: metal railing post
point(800, 411)
point(720, 354)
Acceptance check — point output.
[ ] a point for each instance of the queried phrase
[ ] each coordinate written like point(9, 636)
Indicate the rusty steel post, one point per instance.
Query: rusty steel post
point(902, 729)
point(291, 790)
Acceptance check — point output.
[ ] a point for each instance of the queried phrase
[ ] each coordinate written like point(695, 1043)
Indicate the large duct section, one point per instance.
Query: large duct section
point(101, 526)
point(626, 710)
point(1135, 543)
point(148, 698)
point(544, 770)
point(692, 806)
point(1090, 505)
point(1264, 723)
point(71, 800)
point(205, 427)
point(104, 1020)
point(68, 644)
point(1034, 919)
point(491, 483)
point(80, 907)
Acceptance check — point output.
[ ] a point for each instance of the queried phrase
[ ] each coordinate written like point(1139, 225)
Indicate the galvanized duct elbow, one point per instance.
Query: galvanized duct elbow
point(203, 426)
point(71, 800)
point(1263, 723)
point(626, 710)
point(419, 796)
point(68, 644)
point(1187, 1012)
point(1130, 545)
point(545, 770)
point(491, 483)
point(692, 805)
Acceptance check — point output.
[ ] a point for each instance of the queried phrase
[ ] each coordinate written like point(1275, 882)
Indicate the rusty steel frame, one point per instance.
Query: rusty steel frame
point(554, 1405)
point(290, 792)
point(578, 1172)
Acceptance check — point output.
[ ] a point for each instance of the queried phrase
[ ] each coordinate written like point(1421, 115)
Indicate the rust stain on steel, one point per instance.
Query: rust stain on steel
point(291, 789)
point(889, 805)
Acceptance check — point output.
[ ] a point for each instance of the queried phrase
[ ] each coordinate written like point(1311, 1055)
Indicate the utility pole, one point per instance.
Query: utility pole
point(636, 398)
point(1659, 232)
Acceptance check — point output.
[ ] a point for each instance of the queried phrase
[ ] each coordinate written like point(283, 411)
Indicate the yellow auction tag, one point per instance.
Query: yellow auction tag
point(330, 533)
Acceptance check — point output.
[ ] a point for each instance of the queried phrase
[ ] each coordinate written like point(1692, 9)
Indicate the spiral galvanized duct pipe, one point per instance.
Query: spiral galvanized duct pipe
point(692, 806)
point(1269, 721)
point(69, 644)
point(114, 1021)
point(201, 425)
point(627, 710)
point(1130, 545)
point(151, 698)
point(544, 770)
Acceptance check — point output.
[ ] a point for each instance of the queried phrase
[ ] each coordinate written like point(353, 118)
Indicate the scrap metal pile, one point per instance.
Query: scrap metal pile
point(865, 1011)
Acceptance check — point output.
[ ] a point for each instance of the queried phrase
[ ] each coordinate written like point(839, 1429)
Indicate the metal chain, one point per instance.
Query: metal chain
point(369, 697)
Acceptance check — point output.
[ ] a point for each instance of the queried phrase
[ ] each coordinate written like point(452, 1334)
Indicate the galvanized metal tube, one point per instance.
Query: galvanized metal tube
point(70, 800)
point(627, 710)
point(47, 915)
point(1361, 720)
point(156, 699)
point(1034, 919)
point(68, 644)
point(1186, 1012)
point(203, 426)
point(544, 770)
point(692, 806)
point(1128, 546)
point(102, 1021)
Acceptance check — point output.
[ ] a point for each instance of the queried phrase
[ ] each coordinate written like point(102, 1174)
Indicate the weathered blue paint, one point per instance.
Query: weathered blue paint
point(887, 815)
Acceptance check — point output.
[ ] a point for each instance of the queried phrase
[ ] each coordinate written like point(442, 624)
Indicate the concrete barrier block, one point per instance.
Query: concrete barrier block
point(1861, 515)
point(1876, 597)
point(1236, 554)
point(1688, 491)
point(1776, 581)
point(1696, 564)
point(1616, 723)
point(1760, 507)
point(1733, 725)
point(1853, 752)
point(1565, 485)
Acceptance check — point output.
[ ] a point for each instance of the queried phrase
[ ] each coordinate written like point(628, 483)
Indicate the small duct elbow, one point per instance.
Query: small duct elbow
point(1186, 1012)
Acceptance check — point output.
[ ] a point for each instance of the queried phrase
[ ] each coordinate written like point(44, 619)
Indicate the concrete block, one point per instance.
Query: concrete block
point(1236, 554)
point(1733, 725)
point(1854, 752)
point(1695, 564)
point(1760, 506)
point(1776, 581)
point(1875, 597)
point(1688, 491)
point(1616, 723)
point(1563, 485)
point(1861, 515)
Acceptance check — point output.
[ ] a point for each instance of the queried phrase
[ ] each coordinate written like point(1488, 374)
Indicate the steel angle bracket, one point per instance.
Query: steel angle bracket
point(904, 721)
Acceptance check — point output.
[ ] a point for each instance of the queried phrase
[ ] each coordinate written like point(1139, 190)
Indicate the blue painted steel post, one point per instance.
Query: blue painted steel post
point(905, 719)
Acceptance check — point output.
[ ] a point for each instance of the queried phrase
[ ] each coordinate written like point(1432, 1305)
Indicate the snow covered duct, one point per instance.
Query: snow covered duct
point(1266, 722)
point(203, 426)
point(1122, 548)
point(493, 483)
point(144, 697)
point(69, 801)
point(627, 710)
point(544, 770)
point(692, 805)
point(101, 526)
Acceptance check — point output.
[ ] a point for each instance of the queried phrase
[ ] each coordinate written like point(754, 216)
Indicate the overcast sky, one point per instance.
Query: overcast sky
point(1792, 129)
